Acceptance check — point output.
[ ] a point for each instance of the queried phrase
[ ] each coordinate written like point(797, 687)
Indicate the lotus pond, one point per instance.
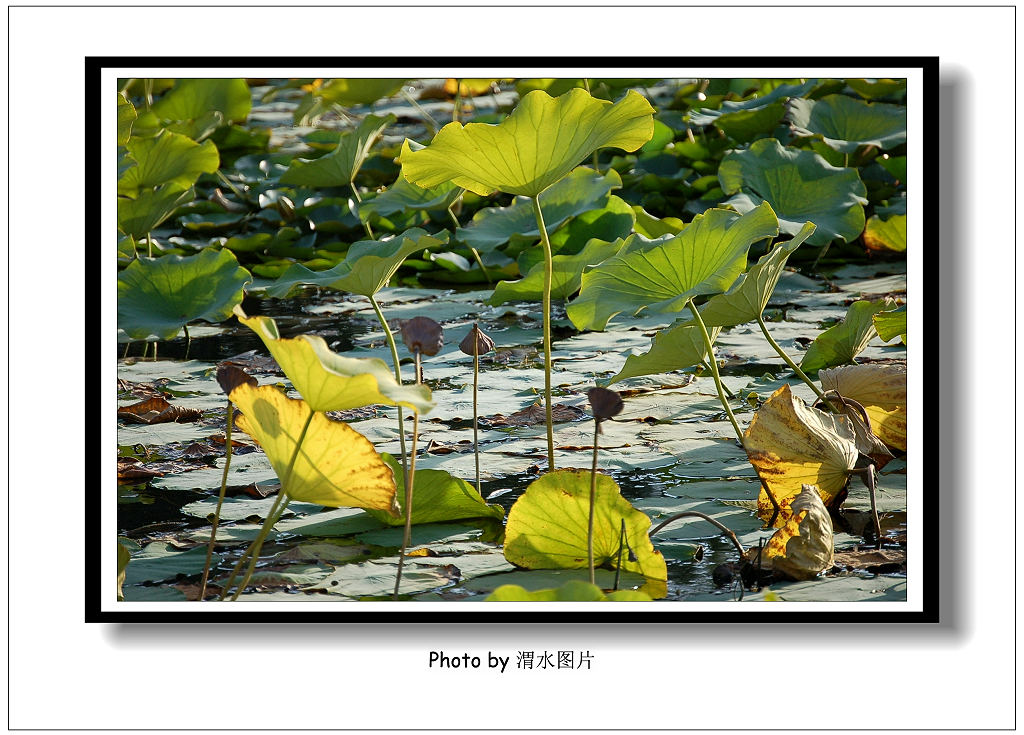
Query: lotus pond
point(608, 339)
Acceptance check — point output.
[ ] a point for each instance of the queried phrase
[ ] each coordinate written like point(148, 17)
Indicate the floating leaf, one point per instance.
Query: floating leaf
point(168, 158)
point(438, 497)
point(567, 273)
point(882, 390)
point(339, 168)
point(705, 258)
point(841, 343)
point(800, 186)
point(845, 124)
point(877, 88)
point(889, 234)
point(157, 297)
point(125, 117)
point(191, 99)
point(147, 211)
point(547, 528)
point(575, 590)
point(746, 119)
point(403, 196)
point(538, 144)
point(891, 324)
point(330, 382)
point(791, 445)
point(159, 561)
point(335, 466)
point(348, 92)
point(804, 547)
point(677, 348)
point(579, 192)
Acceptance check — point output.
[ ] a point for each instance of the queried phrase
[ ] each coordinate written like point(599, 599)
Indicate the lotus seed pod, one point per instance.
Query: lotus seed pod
point(422, 334)
point(605, 403)
point(484, 344)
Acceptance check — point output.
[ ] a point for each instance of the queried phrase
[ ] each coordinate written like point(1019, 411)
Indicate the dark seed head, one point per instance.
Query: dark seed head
point(484, 344)
point(422, 334)
point(722, 575)
point(231, 377)
point(605, 403)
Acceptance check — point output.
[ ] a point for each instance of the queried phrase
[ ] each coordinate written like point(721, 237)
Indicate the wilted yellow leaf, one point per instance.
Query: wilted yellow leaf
point(882, 390)
point(791, 444)
point(803, 547)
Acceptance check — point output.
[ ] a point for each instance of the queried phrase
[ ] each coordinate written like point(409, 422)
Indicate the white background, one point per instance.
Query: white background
point(63, 673)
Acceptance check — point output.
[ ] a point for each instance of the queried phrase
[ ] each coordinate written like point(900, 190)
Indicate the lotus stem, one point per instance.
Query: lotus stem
point(154, 352)
point(272, 518)
point(426, 115)
point(228, 183)
point(220, 502)
point(546, 306)
point(255, 546)
point(409, 487)
point(398, 376)
point(728, 392)
point(188, 341)
point(476, 253)
point(786, 358)
point(149, 243)
point(457, 103)
point(618, 560)
point(593, 495)
point(127, 345)
point(586, 86)
point(697, 514)
point(476, 422)
point(359, 200)
point(714, 369)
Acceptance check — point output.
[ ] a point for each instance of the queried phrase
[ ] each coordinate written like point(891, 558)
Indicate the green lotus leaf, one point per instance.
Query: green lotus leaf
point(125, 117)
point(168, 158)
point(192, 99)
point(845, 123)
point(705, 258)
point(339, 168)
point(651, 227)
point(157, 297)
point(801, 187)
point(891, 324)
point(403, 196)
point(567, 270)
point(895, 165)
point(877, 88)
point(572, 591)
point(367, 268)
point(539, 143)
point(581, 191)
point(547, 528)
point(330, 382)
point(348, 92)
point(437, 497)
point(159, 561)
point(335, 466)
point(749, 296)
point(679, 347)
point(888, 234)
point(149, 209)
point(838, 345)
point(744, 120)
point(613, 222)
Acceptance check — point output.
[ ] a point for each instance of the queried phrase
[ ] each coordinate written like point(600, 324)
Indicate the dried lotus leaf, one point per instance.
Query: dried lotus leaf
point(803, 547)
point(882, 390)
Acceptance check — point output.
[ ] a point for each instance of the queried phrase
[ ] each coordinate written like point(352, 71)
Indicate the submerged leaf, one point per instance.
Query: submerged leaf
point(841, 343)
point(881, 390)
point(804, 547)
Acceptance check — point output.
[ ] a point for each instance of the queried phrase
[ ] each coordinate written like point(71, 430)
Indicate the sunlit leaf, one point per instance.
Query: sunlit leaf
point(679, 347)
point(567, 270)
point(877, 88)
point(123, 557)
point(744, 120)
point(348, 92)
point(547, 528)
point(339, 168)
point(804, 547)
point(539, 143)
point(800, 186)
point(335, 466)
point(159, 561)
point(882, 390)
point(572, 591)
point(891, 324)
point(841, 343)
point(170, 159)
point(791, 445)
point(157, 297)
point(652, 228)
point(705, 258)
point(845, 123)
point(329, 381)
point(125, 117)
point(402, 196)
point(149, 209)
point(191, 99)
point(889, 234)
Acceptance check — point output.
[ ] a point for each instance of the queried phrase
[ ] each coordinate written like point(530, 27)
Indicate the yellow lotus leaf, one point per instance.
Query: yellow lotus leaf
point(882, 390)
point(791, 445)
point(803, 548)
point(336, 465)
point(329, 382)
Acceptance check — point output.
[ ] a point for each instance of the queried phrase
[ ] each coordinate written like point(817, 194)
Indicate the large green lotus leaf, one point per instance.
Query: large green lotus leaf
point(367, 268)
point(891, 324)
point(125, 117)
point(157, 297)
point(845, 123)
point(749, 296)
point(651, 227)
point(676, 348)
point(437, 497)
point(547, 528)
point(895, 165)
point(705, 258)
point(572, 591)
point(339, 168)
point(801, 187)
point(567, 271)
point(348, 92)
point(149, 209)
point(329, 381)
point(580, 191)
point(540, 142)
point(191, 99)
point(168, 158)
point(889, 234)
point(403, 196)
point(877, 88)
point(744, 120)
point(614, 221)
point(838, 345)
point(335, 466)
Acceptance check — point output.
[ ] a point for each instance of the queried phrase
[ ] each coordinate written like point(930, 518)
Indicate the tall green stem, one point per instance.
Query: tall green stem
point(398, 376)
point(188, 341)
point(593, 495)
point(408, 488)
point(359, 200)
point(586, 86)
point(220, 502)
point(476, 422)
point(476, 253)
point(149, 243)
point(546, 306)
point(793, 366)
point(714, 369)
point(254, 547)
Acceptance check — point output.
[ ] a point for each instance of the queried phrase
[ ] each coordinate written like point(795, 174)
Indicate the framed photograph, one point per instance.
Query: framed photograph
point(396, 335)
